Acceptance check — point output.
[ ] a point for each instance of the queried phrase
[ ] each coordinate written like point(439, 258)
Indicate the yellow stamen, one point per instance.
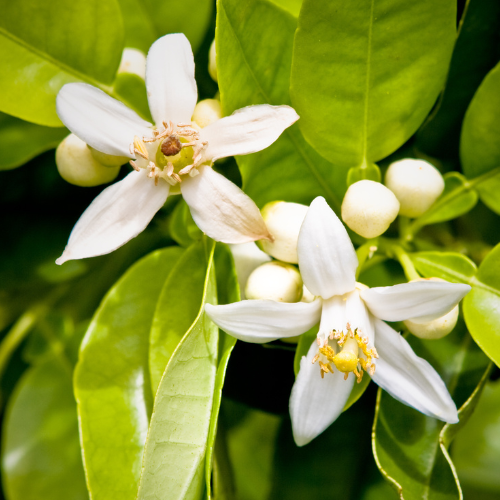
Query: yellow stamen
point(140, 147)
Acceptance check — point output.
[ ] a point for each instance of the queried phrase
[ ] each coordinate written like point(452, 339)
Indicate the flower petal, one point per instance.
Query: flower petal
point(170, 82)
point(327, 259)
point(221, 209)
point(99, 120)
point(247, 257)
point(262, 321)
point(246, 131)
point(117, 215)
point(420, 300)
point(410, 379)
point(315, 402)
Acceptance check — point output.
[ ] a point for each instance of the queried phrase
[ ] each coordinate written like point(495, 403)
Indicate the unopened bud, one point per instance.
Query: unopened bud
point(283, 220)
point(212, 62)
point(275, 281)
point(133, 61)
point(206, 112)
point(416, 183)
point(108, 160)
point(369, 208)
point(76, 164)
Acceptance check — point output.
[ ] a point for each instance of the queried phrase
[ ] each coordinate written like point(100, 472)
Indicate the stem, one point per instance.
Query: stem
point(405, 232)
point(365, 252)
point(405, 261)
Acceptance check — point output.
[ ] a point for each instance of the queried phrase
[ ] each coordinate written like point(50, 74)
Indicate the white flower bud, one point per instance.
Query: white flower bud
point(416, 184)
point(212, 62)
point(369, 208)
point(108, 160)
point(275, 281)
point(133, 61)
point(206, 112)
point(436, 328)
point(283, 220)
point(77, 166)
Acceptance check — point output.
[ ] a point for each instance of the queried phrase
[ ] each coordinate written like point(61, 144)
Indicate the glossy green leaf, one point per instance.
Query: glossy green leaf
point(177, 308)
point(482, 306)
point(131, 88)
point(292, 6)
point(254, 55)
point(475, 53)
point(366, 73)
point(41, 455)
point(44, 45)
point(457, 199)
point(173, 466)
point(479, 141)
point(449, 266)
point(409, 447)
point(21, 141)
point(182, 227)
point(112, 384)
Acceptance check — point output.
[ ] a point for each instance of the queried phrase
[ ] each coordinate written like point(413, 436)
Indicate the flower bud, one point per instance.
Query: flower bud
point(206, 112)
point(369, 208)
point(108, 160)
point(133, 61)
point(77, 166)
point(416, 184)
point(283, 220)
point(275, 281)
point(436, 328)
point(212, 62)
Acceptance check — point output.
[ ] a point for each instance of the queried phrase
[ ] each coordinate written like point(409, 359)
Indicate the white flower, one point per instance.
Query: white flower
point(350, 317)
point(174, 156)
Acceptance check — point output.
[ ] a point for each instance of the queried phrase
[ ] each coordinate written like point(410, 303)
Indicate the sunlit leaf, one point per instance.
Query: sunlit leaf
point(450, 266)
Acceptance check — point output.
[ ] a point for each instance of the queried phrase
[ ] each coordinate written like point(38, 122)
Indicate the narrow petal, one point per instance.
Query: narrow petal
point(315, 402)
point(247, 130)
point(247, 257)
point(327, 259)
point(260, 321)
point(420, 300)
point(358, 317)
point(221, 209)
point(117, 215)
point(99, 120)
point(410, 379)
point(170, 82)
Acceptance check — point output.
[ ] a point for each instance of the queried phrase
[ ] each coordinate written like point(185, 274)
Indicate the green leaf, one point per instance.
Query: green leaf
point(410, 448)
point(177, 308)
point(44, 45)
point(131, 88)
point(173, 466)
point(292, 6)
point(21, 141)
point(182, 227)
point(365, 74)
point(479, 141)
point(475, 53)
point(450, 266)
point(254, 55)
point(41, 456)
point(482, 306)
point(112, 384)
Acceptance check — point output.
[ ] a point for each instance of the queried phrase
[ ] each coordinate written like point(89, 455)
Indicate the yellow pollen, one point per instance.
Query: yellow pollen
point(140, 147)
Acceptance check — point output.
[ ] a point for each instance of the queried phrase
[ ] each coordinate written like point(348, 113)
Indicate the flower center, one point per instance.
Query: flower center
point(172, 152)
point(354, 355)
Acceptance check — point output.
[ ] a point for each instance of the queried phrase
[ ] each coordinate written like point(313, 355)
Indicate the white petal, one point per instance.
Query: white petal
point(410, 379)
point(117, 215)
point(327, 259)
point(421, 300)
point(99, 120)
point(315, 402)
point(358, 317)
point(170, 82)
point(247, 257)
point(247, 130)
point(262, 321)
point(221, 209)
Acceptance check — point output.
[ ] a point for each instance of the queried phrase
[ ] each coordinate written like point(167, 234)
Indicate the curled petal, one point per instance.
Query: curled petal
point(410, 379)
point(420, 300)
point(99, 120)
point(117, 215)
point(260, 321)
point(170, 82)
point(246, 131)
point(221, 209)
point(327, 259)
point(315, 402)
